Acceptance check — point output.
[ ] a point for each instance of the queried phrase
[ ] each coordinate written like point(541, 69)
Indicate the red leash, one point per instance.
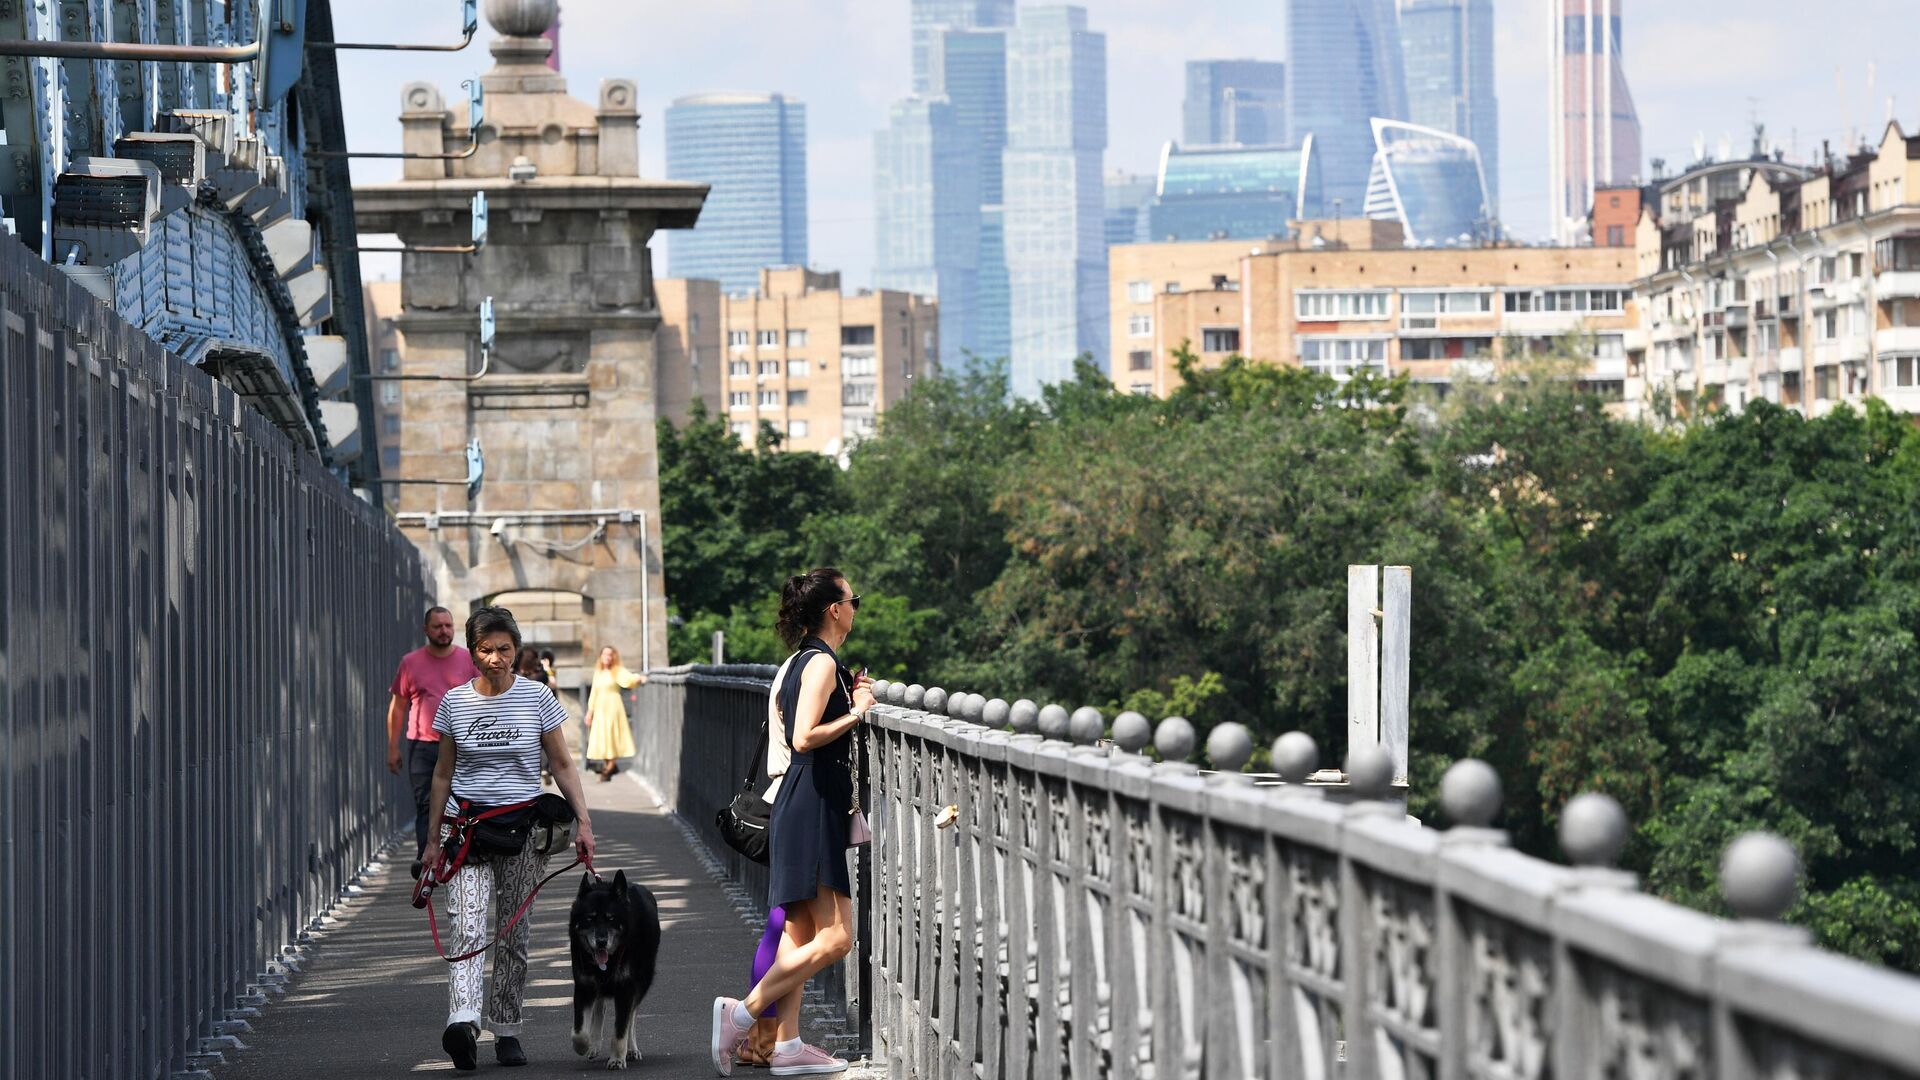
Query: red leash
point(450, 864)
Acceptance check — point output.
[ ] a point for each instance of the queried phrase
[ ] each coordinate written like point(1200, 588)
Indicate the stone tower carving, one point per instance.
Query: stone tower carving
point(565, 412)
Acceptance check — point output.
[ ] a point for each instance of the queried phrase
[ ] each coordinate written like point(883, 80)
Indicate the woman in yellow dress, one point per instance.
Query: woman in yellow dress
point(609, 738)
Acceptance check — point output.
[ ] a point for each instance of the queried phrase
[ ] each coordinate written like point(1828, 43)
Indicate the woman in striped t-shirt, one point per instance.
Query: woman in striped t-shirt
point(493, 731)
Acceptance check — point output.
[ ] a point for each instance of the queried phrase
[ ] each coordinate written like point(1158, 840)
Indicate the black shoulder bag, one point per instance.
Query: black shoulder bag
point(743, 822)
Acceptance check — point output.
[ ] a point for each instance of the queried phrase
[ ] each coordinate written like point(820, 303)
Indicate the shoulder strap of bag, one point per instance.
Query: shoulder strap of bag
point(758, 767)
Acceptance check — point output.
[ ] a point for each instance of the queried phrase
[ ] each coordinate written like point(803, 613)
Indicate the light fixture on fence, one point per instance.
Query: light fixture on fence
point(479, 212)
point(476, 112)
point(486, 356)
point(469, 22)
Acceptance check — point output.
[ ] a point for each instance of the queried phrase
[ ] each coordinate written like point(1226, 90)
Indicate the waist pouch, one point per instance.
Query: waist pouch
point(504, 832)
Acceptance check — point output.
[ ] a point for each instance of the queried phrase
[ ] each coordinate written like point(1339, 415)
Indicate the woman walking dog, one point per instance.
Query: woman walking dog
point(493, 731)
point(811, 825)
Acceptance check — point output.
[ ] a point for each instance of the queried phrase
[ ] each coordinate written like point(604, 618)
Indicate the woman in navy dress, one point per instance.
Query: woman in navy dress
point(820, 701)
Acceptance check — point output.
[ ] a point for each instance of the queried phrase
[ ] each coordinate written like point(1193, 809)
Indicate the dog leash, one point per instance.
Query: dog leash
point(433, 923)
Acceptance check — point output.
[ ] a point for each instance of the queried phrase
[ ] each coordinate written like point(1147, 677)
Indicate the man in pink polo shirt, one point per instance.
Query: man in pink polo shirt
point(425, 675)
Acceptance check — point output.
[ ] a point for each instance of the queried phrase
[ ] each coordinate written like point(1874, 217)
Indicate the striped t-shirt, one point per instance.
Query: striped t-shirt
point(497, 740)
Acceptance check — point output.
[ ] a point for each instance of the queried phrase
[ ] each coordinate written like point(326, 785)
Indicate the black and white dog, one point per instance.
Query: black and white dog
point(614, 929)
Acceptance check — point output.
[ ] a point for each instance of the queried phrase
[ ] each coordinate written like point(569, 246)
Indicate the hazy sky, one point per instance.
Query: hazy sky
point(1696, 68)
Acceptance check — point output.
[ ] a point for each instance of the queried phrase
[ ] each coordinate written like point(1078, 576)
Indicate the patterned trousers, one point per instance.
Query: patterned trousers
point(496, 886)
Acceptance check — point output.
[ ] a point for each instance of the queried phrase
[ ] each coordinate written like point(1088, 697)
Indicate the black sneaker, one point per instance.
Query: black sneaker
point(461, 1042)
point(506, 1051)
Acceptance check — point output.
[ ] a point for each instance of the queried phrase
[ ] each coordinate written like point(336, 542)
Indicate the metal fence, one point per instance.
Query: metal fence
point(199, 626)
point(696, 730)
point(1094, 913)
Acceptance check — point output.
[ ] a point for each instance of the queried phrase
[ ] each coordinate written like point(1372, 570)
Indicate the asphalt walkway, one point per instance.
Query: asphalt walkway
point(370, 999)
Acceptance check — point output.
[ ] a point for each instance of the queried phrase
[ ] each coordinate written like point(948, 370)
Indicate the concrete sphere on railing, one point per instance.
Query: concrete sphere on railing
point(1593, 829)
point(1174, 738)
point(1470, 793)
point(1295, 756)
point(896, 693)
point(1229, 746)
point(1370, 771)
point(934, 701)
point(879, 689)
point(1131, 731)
point(1760, 876)
point(1086, 725)
point(966, 706)
point(521, 18)
point(1054, 722)
point(916, 697)
point(994, 713)
point(1024, 716)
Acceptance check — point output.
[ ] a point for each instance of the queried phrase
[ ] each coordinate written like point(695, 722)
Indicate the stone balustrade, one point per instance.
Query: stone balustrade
point(1040, 902)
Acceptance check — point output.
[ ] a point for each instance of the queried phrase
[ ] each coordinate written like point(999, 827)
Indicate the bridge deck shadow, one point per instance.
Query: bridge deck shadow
point(371, 998)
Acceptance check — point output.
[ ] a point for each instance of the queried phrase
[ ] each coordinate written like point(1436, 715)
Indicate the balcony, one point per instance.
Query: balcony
point(1897, 339)
point(1852, 347)
point(1849, 291)
point(1736, 317)
point(1897, 285)
point(1792, 359)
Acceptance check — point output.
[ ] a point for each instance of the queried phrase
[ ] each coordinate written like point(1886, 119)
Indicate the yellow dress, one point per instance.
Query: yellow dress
point(609, 737)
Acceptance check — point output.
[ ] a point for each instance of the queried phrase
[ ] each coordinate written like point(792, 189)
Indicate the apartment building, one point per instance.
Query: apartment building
point(1339, 296)
point(818, 364)
point(1766, 280)
point(688, 361)
point(381, 302)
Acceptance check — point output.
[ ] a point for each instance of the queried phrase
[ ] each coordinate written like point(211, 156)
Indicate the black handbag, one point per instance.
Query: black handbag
point(743, 822)
point(502, 835)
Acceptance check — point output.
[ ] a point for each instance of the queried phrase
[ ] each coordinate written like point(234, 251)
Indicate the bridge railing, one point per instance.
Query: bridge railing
point(199, 627)
point(1090, 912)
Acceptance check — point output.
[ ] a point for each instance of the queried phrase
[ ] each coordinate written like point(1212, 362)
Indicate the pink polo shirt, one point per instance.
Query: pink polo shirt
point(423, 679)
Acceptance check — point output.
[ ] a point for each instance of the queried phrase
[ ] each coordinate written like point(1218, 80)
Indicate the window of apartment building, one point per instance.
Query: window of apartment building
point(1826, 383)
point(390, 458)
point(1144, 389)
point(796, 339)
point(769, 399)
point(1766, 338)
point(1446, 303)
point(1857, 260)
point(1341, 356)
point(1139, 292)
point(1172, 288)
point(1900, 372)
point(856, 393)
point(389, 359)
point(906, 335)
point(693, 324)
point(1823, 273)
point(1609, 347)
point(390, 423)
point(859, 424)
point(739, 399)
point(796, 369)
point(1139, 326)
point(1140, 360)
point(1220, 339)
point(856, 335)
point(796, 398)
point(1341, 305)
point(1897, 253)
point(769, 339)
point(739, 367)
point(1445, 348)
point(739, 339)
point(1616, 236)
point(858, 366)
point(742, 430)
point(1789, 388)
point(1572, 301)
point(769, 367)
point(389, 393)
point(796, 429)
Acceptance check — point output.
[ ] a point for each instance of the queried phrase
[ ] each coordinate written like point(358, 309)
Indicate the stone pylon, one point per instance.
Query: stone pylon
point(565, 411)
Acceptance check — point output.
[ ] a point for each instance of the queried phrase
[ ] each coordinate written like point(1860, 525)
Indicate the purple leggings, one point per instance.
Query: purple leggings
point(769, 948)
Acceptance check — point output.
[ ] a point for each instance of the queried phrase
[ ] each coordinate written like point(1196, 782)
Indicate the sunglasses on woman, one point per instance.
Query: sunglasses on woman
point(854, 600)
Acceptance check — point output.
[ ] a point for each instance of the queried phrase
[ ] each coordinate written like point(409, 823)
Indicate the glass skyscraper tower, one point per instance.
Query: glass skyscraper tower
point(752, 148)
point(1055, 200)
point(1235, 101)
point(1448, 50)
point(1344, 69)
point(926, 218)
point(930, 17)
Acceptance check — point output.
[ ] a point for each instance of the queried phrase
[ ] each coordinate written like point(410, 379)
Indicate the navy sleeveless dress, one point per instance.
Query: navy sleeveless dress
point(807, 834)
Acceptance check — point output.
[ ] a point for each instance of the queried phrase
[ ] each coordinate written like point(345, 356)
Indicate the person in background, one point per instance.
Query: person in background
point(527, 666)
point(425, 675)
point(609, 737)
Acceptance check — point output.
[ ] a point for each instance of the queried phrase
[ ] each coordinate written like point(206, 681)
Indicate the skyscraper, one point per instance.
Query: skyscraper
point(970, 68)
point(1056, 247)
point(1593, 132)
point(1233, 192)
point(753, 149)
point(932, 16)
point(1235, 101)
point(926, 183)
point(1432, 183)
point(1447, 46)
point(1343, 70)
point(1126, 198)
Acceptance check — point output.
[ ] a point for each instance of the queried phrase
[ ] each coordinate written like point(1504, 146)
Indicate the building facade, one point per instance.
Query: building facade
point(1056, 251)
point(1593, 131)
point(1233, 192)
point(931, 18)
point(1345, 295)
point(385, 348)
point(926, 188)
point(1432, 183)
point(1234, 101)
point(1801, 287)
point(817, 365)
point(1126, 197)
point(751, 149)
point(689, 366)
point(1344, 68)
point(561, 409)
point(1447, 46)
